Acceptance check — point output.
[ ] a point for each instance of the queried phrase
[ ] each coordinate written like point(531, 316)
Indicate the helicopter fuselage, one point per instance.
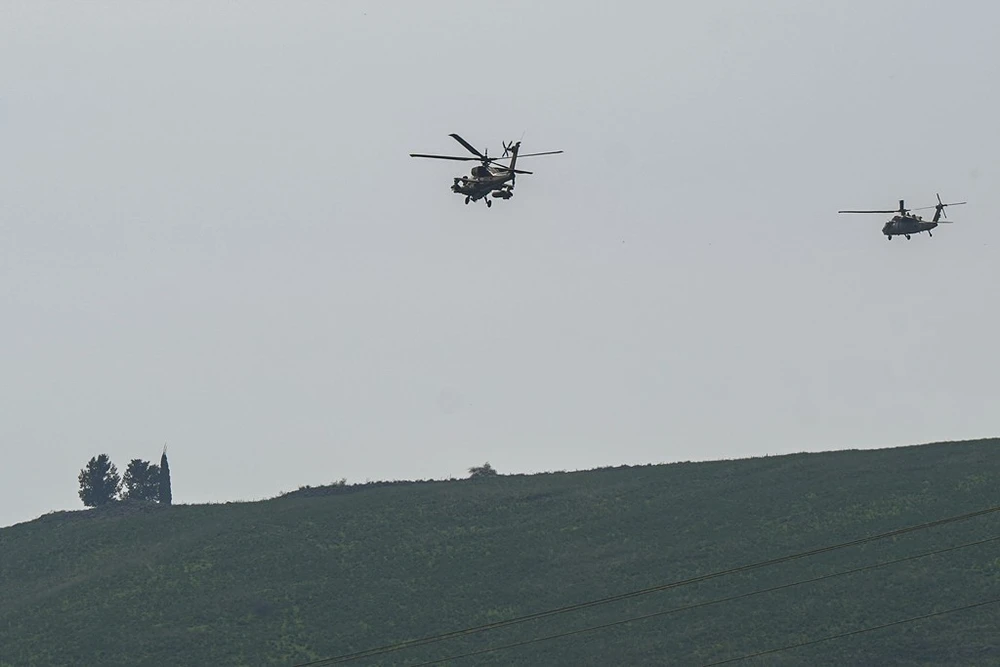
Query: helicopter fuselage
point(904, 225)
point(482, 181)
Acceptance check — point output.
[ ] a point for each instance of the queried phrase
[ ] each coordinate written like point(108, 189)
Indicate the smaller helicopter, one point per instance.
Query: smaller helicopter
point(905, 223)
point(490, 177)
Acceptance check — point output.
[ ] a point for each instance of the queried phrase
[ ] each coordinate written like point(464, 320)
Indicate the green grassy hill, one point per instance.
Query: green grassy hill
point(327, 571)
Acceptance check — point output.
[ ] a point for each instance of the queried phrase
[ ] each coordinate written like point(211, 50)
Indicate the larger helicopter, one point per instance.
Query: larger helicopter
point(905, 223)
point(490, 177)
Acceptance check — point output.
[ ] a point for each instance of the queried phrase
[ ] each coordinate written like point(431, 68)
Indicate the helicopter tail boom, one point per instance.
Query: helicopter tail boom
point(513, 155)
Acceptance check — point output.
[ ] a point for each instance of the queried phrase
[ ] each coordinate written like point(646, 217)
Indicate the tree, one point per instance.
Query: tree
point(141, 481)
point(99, 481)
point(485, 470)
point(165, 496)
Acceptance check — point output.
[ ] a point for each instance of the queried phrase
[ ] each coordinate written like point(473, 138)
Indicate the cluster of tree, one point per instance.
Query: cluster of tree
point(485, 470)
point(101, 484)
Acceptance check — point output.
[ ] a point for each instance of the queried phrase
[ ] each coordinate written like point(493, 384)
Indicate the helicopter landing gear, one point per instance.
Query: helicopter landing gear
point(890, 236)
point(488, 203)
point(929, 233)
point(907, 237)
point(466, 200)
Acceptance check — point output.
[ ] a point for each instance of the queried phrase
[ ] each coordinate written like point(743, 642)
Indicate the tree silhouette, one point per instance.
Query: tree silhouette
point(485, 470)
point(99, 481)
point(166, 498)
point(141, 481)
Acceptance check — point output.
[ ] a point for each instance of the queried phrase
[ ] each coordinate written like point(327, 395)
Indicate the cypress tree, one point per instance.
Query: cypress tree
point(165, 497)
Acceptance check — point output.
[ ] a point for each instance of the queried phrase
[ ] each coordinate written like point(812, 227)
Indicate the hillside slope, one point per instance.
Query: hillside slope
point(328, 571)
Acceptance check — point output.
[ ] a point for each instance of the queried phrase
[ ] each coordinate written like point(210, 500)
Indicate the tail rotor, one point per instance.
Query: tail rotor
point(940, 207)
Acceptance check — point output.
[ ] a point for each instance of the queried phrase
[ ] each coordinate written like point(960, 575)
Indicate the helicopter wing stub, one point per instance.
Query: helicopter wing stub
point(468, 146)
point(443, 157)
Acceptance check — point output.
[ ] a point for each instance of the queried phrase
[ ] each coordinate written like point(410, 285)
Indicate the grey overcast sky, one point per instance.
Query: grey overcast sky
point(211, 235)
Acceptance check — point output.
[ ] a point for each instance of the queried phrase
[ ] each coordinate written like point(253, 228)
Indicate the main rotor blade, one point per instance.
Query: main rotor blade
point(925, 208)
point(506, 168)
point(467, 145)
point(521, 155)
point(895, 210)
point(444, 157)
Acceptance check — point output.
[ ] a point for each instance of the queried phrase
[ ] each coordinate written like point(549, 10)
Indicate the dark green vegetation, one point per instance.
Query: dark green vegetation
point(141, 481)
point(164, 494)
point(331, 570)
point(100, 482)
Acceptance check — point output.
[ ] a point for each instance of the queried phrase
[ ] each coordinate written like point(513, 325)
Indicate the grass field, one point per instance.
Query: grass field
point(331, 570)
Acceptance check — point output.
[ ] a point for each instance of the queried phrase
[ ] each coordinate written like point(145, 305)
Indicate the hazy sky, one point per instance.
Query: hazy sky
point(211, 235)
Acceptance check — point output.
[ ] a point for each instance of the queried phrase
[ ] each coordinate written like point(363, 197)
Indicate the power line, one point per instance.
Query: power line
point(432, 639)
point(853, 632)
point(707, 603)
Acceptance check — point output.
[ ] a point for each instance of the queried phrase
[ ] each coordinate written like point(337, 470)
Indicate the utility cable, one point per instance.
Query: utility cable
point(853, 632)
point(431, 639)
point(707, 603)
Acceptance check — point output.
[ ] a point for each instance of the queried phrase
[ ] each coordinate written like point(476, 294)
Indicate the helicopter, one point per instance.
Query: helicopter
point(490, 177)
point(905, 223)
